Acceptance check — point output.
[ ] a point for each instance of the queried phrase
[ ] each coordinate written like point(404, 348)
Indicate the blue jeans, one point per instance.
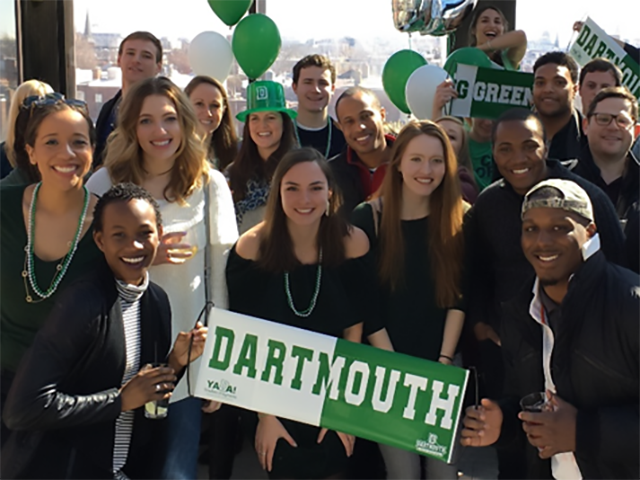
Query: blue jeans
point(183, 439)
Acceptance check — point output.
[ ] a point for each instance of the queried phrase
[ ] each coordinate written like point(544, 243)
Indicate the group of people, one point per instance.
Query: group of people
point(510, 245)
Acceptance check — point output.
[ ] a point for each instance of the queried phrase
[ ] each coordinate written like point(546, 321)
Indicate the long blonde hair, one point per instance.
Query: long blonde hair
point(24, 90)
point(444, 239)
point(124, 159)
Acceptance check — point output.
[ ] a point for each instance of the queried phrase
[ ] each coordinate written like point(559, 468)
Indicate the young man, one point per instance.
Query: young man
point(575, 337)
point(85, 382)
point(599, 73)
point(139, 57)
point(496, 266)
point(554, 89)
point(314, 81)
point(606, 160)
point(360, 168)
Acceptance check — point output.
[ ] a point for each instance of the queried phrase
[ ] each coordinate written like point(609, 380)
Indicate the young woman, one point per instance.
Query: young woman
point(268, 135)
point(303, 266)
point(82, 385)
point(156, 146)
point(11, 172)
point(43, 241)
point(489, 31)
point(454, 129)
point(209, 100)
point(415, 229)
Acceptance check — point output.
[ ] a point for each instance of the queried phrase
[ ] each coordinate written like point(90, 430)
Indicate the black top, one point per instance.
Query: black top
point(414, 322)
point(318, 139)
point(67, 385)
point(566, 144)
point(105, 124)
point(594, 364)
point(345, 299)
point(633, 52)
point(496, 265)
point(624, 191)
point(5, 166)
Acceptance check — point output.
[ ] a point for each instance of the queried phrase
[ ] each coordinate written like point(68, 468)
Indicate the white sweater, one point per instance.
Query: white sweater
point(184, 283)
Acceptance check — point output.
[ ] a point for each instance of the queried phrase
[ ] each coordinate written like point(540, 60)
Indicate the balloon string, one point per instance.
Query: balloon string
point(410, 48)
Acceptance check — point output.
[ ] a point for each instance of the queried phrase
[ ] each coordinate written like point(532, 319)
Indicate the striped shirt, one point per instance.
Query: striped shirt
point(129, 296)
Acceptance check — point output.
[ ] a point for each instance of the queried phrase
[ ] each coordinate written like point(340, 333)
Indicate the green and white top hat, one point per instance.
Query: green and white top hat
point(265, 96)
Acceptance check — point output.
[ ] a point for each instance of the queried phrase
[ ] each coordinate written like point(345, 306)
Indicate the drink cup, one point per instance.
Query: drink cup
point(534, 402)
point(157, 409)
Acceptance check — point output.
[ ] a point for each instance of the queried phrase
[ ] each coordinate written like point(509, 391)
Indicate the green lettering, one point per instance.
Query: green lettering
point(328, 376)
point(585, 32)
point(247, 357)
point(463, 89)
point(590, 44)
point(221, 334)
point(303, 355)
point(600, 50)
point(275, 358)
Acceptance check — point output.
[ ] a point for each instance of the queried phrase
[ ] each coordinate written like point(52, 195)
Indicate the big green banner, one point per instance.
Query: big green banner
point(487, 92)
point(593, 42)
point(382, 396)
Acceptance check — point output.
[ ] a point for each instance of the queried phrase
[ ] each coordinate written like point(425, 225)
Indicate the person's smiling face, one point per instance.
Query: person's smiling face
point(158, 129)
point(129, 238)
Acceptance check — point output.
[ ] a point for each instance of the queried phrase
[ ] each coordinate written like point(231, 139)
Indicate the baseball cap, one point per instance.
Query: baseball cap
point(563, 194)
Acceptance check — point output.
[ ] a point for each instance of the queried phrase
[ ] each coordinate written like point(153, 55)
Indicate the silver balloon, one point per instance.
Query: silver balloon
point(411, 15)
point(430, 17)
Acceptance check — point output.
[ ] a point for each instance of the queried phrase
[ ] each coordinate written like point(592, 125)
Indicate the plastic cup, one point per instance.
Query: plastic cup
point(157, 409)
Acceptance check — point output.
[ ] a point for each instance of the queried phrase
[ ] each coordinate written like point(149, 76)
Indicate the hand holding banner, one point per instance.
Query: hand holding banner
point(320, 380)
point(593, 42)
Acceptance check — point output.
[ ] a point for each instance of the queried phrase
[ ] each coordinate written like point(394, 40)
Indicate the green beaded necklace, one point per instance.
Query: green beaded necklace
point(61, 268)
point(328, 148)
point(305, 313)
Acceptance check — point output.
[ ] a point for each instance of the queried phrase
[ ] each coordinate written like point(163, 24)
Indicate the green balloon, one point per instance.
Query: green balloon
point(256, 44)
point(467, 56)
point(395, 74)
point(230, 11)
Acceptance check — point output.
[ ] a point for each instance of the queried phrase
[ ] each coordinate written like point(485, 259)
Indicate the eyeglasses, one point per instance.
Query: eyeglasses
point(604, 119)
point(36, 101)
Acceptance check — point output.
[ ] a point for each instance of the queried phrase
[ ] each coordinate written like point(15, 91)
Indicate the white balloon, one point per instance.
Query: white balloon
point(210, 54)
point(421, 88)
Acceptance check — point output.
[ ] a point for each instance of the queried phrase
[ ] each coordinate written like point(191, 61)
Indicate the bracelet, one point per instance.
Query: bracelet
point(445, 356)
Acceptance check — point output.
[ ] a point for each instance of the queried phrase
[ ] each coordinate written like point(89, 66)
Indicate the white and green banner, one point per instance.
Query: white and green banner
point(593, 42)
point(487, 92)
point(320, 380)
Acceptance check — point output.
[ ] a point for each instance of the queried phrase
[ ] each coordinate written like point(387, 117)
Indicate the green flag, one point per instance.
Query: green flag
point(320, 380)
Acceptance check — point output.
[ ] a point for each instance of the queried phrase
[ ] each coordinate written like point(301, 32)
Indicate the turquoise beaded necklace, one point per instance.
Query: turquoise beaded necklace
point(61, 269)
point(314, 298)
point(328, 149)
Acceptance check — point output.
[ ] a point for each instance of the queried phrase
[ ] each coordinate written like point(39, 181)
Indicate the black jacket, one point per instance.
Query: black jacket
point(496, 266)
point(626, 194)
point(104, 126)
point(595, 367)
point(66, 390)
point(566, 144)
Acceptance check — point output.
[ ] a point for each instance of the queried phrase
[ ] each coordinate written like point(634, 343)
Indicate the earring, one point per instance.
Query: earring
point(328, 209)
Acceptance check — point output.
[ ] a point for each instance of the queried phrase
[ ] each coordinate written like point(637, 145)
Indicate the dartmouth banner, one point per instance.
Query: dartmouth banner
point(487, 92)
point(320, 380)
point(593, 42)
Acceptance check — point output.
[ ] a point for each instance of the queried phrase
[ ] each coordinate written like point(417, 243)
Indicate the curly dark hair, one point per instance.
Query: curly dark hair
point(123, 192)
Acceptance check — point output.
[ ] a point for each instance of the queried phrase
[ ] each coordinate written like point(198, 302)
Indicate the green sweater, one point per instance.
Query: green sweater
point(19, 320)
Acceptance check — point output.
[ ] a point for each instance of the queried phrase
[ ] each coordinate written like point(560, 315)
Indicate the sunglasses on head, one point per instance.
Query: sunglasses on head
point(36, 101)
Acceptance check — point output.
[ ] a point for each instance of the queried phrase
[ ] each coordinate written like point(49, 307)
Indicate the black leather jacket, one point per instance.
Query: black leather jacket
point(65, 398)
point(595, 367)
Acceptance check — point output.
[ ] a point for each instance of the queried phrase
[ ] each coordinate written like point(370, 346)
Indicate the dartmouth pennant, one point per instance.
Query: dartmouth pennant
point(320, 380)
point(593, 42)
point(487, 92)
